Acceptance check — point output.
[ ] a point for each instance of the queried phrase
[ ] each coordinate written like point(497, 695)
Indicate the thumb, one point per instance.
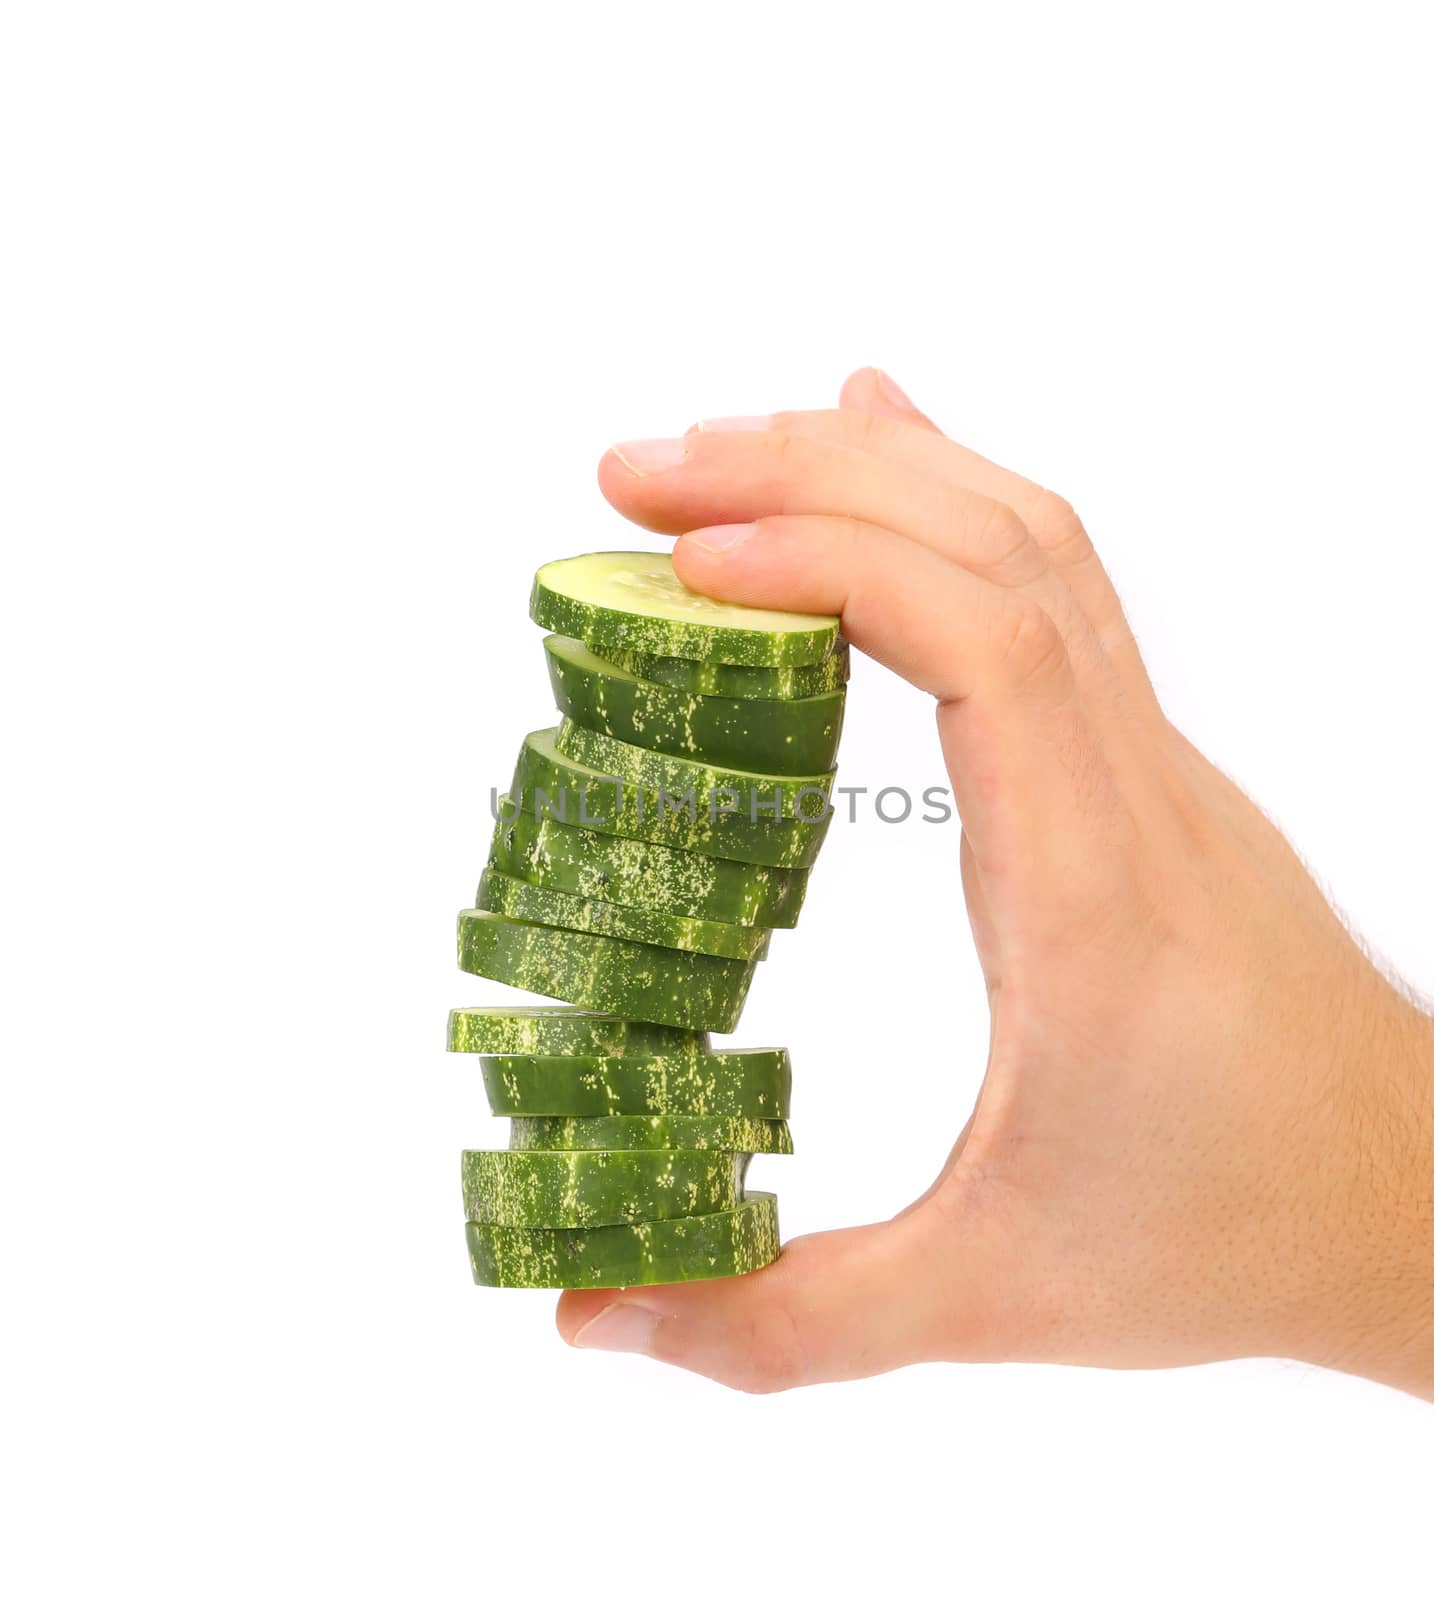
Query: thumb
point(870, 389)
point(845, 1304)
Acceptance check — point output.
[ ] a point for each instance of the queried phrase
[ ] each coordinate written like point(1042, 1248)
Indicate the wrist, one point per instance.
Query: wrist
point(1379, 1317)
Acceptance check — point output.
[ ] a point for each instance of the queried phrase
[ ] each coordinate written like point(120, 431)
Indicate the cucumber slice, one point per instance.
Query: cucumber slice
point(594, 1188)
point(654, 877)
point(633, 600)
point(720, 1244)
point(743, 683)
point(770, 796)
point(530, 902)
point(729, 1083)
point(548, 782)
point(756, 1135)
point(782, 736)
point(679, 987)
point(564, 1031)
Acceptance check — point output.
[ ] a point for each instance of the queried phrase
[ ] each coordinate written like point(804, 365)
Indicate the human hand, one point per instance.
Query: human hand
point(1206, 1128)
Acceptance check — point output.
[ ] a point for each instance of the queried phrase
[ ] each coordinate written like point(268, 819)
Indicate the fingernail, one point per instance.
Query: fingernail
point(628, 1329)
point(735, 425)
point(645, 457)
point(723, 536)
point(893, 391)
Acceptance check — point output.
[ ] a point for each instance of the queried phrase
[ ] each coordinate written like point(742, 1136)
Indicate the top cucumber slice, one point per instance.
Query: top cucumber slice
point(565, 1031)
point(633, 600)
point(736, 683)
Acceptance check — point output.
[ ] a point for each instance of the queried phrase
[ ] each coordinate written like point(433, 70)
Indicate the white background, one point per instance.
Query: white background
point(316, 319)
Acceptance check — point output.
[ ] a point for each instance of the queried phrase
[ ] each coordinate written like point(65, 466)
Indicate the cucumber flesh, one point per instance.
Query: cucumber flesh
point(742, 683)
point(778, 736)
point(681, 988)
point(565, 1031)
point(729, 1083)
point(531, 902)
point(594, 1188)
point(653, 877)
point(719, 1244)
point(548, 782)
point(634, 600)
point(756, 1135)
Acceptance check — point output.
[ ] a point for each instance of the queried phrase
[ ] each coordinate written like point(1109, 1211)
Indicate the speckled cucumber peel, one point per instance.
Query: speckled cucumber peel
point(651, 877)
point(682, 988)
point(565, 1031)
point(743, 683)
point(755, 1135)
point(594, 1188)
point(729, 1083)
point(549, 782)
point(719, 1244)
point(633, 600)
point(776, 736)
point(778, 796)
point(697, 751)
point(531, 902)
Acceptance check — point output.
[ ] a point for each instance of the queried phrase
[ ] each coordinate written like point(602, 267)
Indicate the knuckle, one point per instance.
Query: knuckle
point(849, 539)
point(786, 469)
point(1005, 542)
point(1028, 644)
point(1059, 528)
point(783, 447)
point(869, 431)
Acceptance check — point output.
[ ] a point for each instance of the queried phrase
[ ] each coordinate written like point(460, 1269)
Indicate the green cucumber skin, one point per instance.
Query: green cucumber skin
point(734, 1083)
point(653, 877)
point(546, 782)
point(596, 1188)
point(565, 1031)
point(718, 1245)
point(678, 987)
point(738, 683)
point(530, 902)
point(782, 736)
point(755, 1135)
point(656, 769)
point(605, 627)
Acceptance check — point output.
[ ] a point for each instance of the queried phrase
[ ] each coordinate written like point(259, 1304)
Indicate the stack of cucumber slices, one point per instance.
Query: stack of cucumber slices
point(646, 850)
